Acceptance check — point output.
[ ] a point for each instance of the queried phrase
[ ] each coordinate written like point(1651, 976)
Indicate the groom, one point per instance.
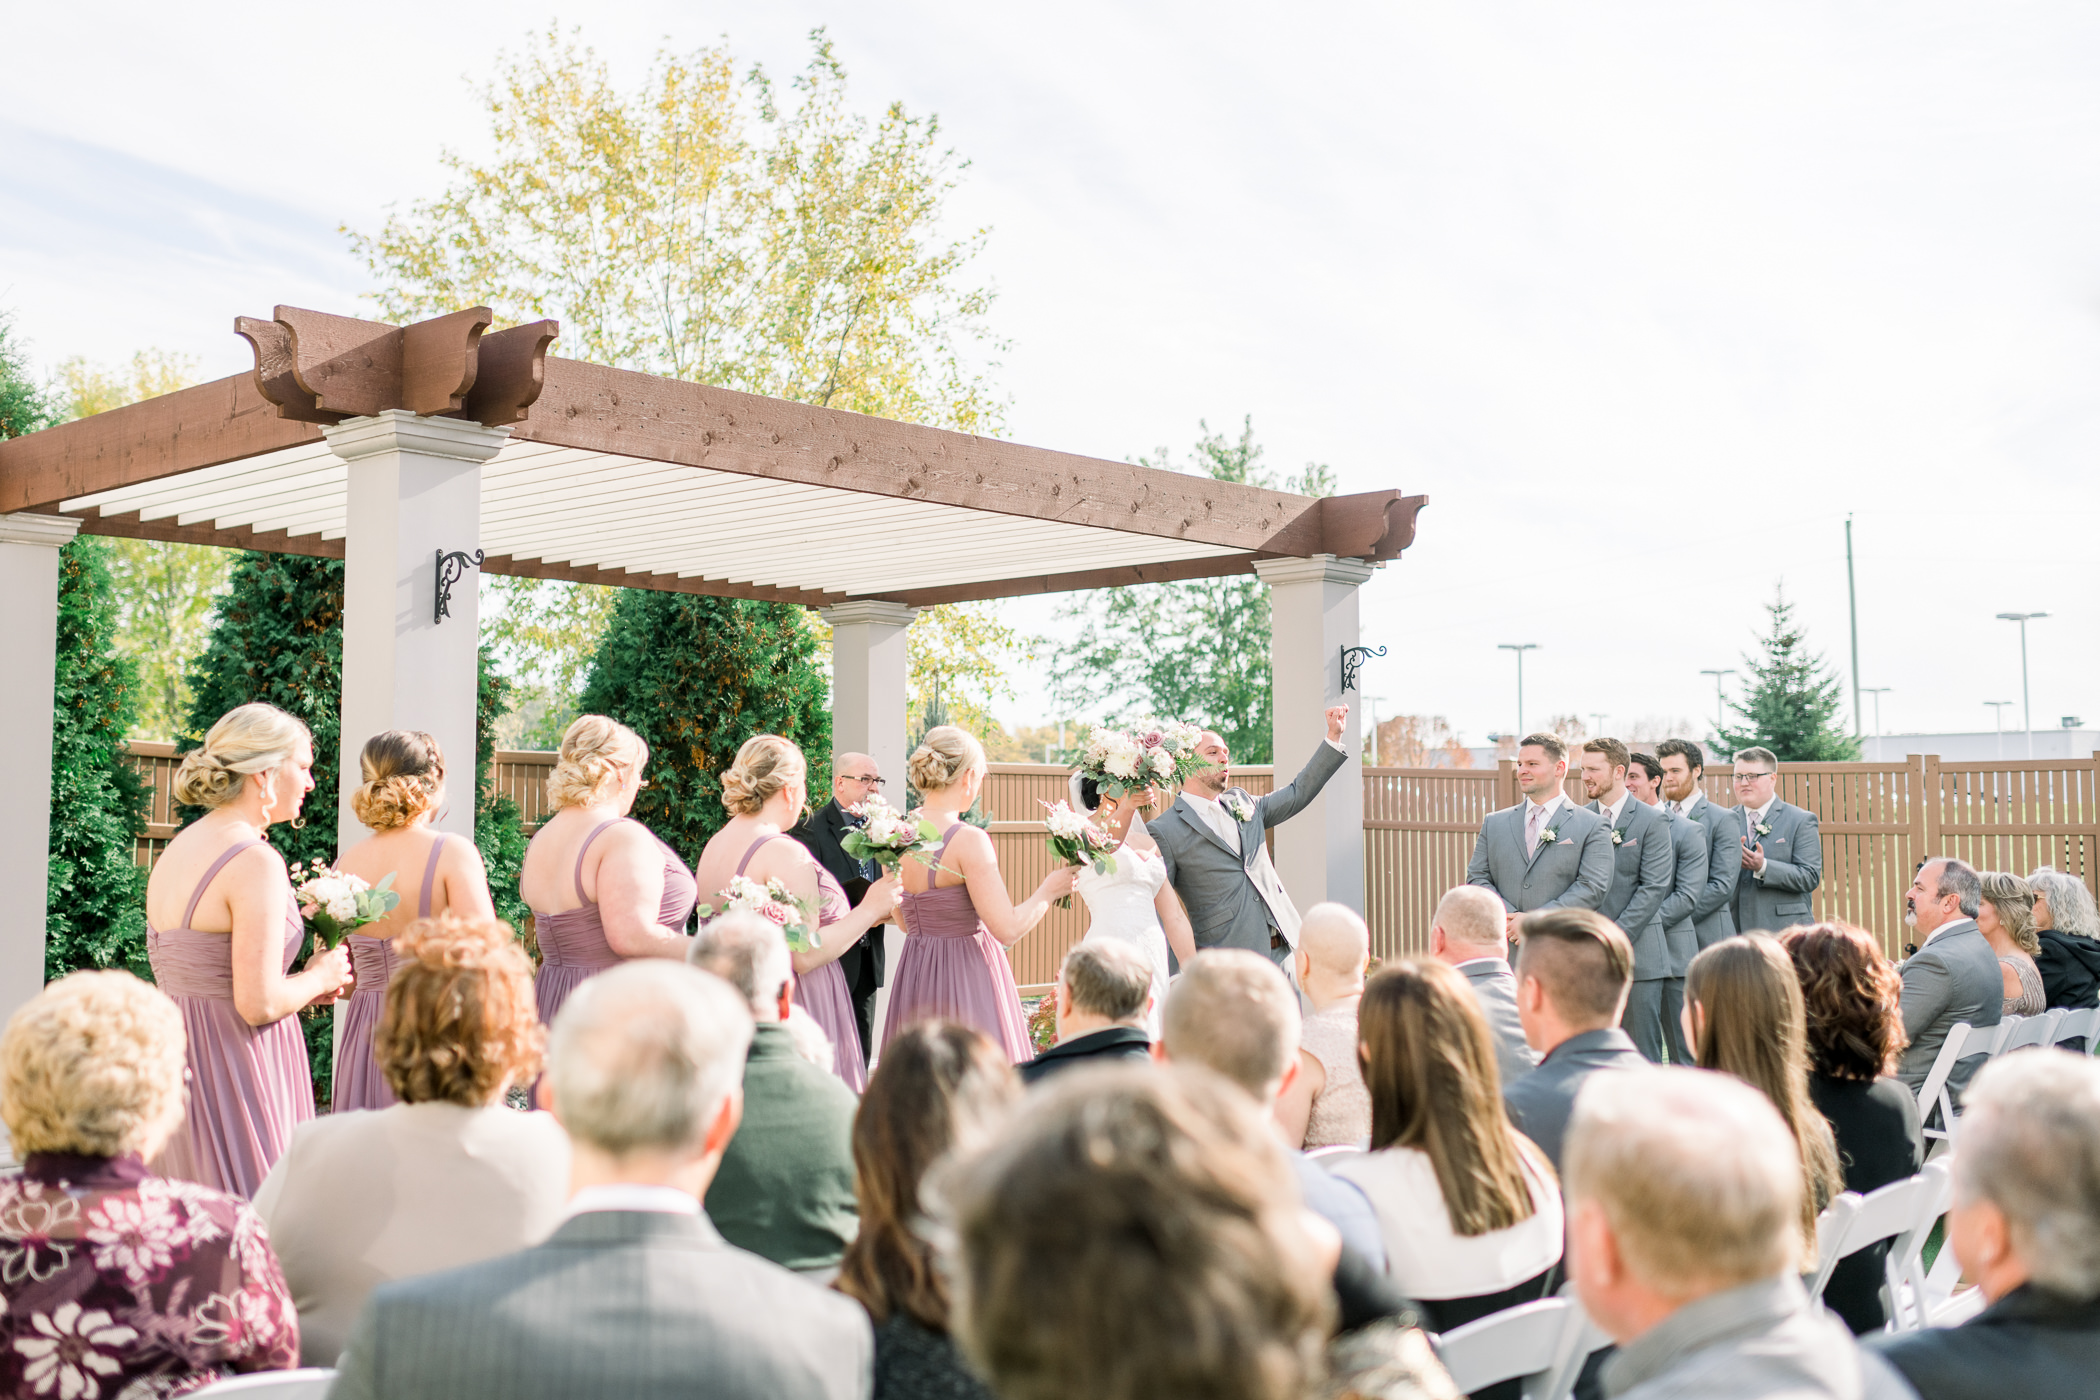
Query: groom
point(1217, 860)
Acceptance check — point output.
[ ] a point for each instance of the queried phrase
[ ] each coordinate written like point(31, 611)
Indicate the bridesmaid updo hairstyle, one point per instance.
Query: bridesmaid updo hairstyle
point(404, 771)
point(764, 765)
point(594, 749)
point(942, 757)
point(253, 738)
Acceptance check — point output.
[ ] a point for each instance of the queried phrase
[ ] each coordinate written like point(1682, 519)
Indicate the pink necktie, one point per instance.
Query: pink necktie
point(1531, 827)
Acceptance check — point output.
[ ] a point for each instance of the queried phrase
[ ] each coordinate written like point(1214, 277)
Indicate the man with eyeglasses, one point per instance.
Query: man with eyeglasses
point(854, 779)
point(1782, 851)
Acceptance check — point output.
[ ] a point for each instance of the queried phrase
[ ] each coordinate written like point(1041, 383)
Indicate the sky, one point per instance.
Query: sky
point(1647, 298)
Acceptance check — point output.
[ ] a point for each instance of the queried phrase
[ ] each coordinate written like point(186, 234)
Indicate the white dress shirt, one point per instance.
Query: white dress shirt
point(655, 1200)
point(1611, 813)
point(1757, 814)
point(1684, 808)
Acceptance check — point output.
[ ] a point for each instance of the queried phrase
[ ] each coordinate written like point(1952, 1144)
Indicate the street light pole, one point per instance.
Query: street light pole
point(1877, 691)
point(1519, 648)
point(1598, 717)
point(2026, 708)
point(1720, 706)
point(1852, 600)
point(1998, 714)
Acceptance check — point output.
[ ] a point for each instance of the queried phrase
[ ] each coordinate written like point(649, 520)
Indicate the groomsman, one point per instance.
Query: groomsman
point(1782, 852)
point(1545, 852)
point(1644, 867)
point(1684, 773)
point(1688, 838)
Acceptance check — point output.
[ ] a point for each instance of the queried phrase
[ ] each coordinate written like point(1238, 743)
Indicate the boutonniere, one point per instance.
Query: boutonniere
point(1618, 837)
point(1764, 829)
point(1236, 803)
point(1550, 835)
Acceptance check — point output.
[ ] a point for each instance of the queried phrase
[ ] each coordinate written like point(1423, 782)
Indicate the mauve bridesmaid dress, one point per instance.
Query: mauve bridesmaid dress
point(822, 993)
point(953, 968)
point(359, 1082)
point(572, 942)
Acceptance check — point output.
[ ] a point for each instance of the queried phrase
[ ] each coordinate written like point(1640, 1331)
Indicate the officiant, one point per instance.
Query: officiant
point(854, 779)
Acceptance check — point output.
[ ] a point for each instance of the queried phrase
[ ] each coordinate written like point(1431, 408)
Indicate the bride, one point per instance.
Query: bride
point(1134, 904)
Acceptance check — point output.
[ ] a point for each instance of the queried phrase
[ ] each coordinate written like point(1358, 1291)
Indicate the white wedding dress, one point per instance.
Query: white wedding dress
point(1122, 909)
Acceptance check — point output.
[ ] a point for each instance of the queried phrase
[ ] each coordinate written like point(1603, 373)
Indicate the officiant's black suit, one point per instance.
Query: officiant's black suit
point(862, 963)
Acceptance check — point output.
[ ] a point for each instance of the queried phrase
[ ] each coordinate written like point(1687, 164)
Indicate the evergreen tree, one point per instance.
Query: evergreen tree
point(696, 677)
point(94, 911)
point(498, 824)
point(24, 406)
point(1794, 698)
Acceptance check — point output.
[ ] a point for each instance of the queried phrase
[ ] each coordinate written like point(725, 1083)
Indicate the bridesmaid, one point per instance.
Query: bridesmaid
point(601, 886)
point(404, 784)
point(767, 791)
point(222, 931)
point(958, 919)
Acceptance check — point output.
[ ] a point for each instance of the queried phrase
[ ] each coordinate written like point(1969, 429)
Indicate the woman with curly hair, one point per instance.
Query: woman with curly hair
point(1852, 999)
point(450, 1174)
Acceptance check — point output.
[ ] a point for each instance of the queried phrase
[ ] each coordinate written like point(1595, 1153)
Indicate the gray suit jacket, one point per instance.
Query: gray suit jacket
point(1954, 977)
point(1690, 842)
point(1759, 1341)
point(1713, 917)
point(1225, 909)
point(1539, 1104)
point(1573, 873)
point(1644, 867)
point(625, 1303)
point(1793, 868)
point(1495, 988)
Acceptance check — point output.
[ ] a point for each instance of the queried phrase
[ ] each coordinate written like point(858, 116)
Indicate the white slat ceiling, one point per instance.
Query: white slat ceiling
point(593, 510)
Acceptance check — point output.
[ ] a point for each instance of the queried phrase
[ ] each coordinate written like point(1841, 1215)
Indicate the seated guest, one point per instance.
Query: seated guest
point(1469, 1208)
point(2067, 926)
point(2025, 1225)
point(1850, 997)
point(1135, 1236)
point(1954, 976)
point(450, 1174)
point(1684, 1208)
point(1233, 1012)
point(117, 1280)
point(1470, 933)
point(1743, 1016)
point(634, 1294)
point(1103, 999)
point(784, 1190)
point(2005, 918)
point(941, 1088)
point(1573, 973)
point(1326, 1105)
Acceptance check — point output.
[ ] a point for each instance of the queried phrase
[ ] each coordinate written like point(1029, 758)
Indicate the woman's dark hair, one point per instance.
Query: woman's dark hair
point(1089, 792)
point(1853, 997)
point(936, 1084)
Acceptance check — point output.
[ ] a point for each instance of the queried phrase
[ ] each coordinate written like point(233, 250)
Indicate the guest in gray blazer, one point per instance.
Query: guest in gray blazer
point(1573, 970)
point(1684, 772)
point(1644, 867)
point(1545, 852)
point(1780, 851)
point(1644, 780)
point(635, 1294)
point(1954, 975)
point(1469, 933)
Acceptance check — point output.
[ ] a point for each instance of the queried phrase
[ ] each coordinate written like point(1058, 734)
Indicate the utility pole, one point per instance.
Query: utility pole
point(1852, 599)
point(1597, 716)
point(1720, 706)
point(1998, 714)
point(2026, 707)
point(1519, 648)
point(1877, 691)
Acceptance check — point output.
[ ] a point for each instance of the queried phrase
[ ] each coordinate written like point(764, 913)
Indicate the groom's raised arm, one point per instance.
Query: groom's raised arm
point(1326, 761)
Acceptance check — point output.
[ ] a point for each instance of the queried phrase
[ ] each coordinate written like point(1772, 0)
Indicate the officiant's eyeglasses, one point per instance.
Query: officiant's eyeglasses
point(864, 782)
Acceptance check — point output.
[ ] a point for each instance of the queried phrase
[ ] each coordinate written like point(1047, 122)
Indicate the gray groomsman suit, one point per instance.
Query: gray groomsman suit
point(1644, 866)
point(1689, 839)
point(1215, 882)
point(1574, 872)
point(1954, 977)
point(620, 1302)
point(1778, 896)
point(1495, 988)
point(1713, 917)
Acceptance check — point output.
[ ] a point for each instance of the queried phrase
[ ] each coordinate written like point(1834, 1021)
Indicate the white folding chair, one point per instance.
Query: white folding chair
point(1526, 1341)
point(2082, 1024)
point(307, 1383)
point(1889, 1213)
point(1333, 1155)
point(1933, 1092)
point(1994, 1040)
point(2032, 1031)
point(1584, 1338)
point(1908, 1286)
point(1831, 1227)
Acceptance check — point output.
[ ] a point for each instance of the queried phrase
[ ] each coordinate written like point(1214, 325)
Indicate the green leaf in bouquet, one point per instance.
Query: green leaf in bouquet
point(326, 928)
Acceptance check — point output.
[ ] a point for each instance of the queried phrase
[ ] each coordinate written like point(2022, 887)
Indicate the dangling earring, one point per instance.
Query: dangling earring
point(299, 822)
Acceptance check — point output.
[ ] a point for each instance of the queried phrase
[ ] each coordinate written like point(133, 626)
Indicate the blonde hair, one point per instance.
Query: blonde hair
point(2013, 899)
point(593, 750)
point(252, 738)
point(942, 757)
point(91, 1065)
point(404, 771)
point(764, 766)
point(460, 1023)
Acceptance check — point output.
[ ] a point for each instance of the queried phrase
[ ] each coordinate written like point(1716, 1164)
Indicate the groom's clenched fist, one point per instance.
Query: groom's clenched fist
point(1337, 716)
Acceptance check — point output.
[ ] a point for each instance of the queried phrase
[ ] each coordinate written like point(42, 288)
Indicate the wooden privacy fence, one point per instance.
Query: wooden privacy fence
point(1878, 820)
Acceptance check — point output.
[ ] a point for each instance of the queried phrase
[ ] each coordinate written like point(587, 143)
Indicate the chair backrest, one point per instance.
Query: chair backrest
point(1831, 1228)
point(1333, 1156)
point(1582, 1338)
point(1905, 1264)
point(1998, 1036)
point(307, 1383)
point(2077, 1025)
point(1933, 1092)
point(1524, 1341)
point(2032, 1031)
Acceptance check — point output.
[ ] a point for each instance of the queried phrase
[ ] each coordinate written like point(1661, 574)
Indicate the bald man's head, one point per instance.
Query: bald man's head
point(1474, 919)
point(855, 778)
point(1336, 940)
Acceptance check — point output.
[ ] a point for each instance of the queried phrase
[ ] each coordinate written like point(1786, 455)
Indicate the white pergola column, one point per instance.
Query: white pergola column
point(414, 489)
point(29, 546)
point(1312, 616)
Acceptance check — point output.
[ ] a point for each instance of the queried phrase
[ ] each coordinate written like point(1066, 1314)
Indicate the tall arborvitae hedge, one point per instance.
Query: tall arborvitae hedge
point(496, 818)
point(696, 677)
point(94, 911)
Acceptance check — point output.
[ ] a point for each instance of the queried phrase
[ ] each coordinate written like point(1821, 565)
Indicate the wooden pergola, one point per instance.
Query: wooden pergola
point(394, 447)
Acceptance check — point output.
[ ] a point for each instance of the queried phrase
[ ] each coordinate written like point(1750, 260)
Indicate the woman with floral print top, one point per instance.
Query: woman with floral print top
point(115, 1281)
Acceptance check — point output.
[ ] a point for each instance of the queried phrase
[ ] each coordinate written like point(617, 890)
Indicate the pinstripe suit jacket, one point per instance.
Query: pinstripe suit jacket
point(616, 1302)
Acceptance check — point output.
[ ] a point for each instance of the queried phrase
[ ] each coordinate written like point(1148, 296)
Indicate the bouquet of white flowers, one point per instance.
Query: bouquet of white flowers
point(1174, 739)
point(1076, 841)
point(332, 903)
point(1153, 753)
point(774, 901)
point(886, 835)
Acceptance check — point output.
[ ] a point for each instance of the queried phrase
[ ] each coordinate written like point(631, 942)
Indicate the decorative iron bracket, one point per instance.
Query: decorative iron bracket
point(451, 568)
point(1353, 659)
